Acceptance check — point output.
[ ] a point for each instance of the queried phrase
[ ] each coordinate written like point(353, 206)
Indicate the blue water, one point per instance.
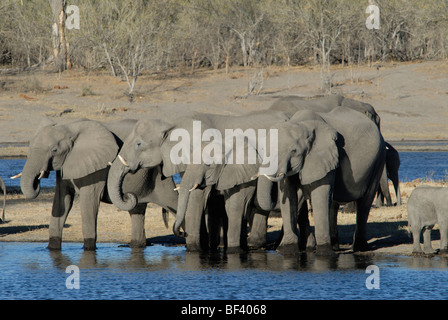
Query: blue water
point(423, 165)
point(30, 271)
point(414, 165)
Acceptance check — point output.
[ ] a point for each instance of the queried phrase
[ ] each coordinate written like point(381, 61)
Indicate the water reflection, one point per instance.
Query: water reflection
point(161, 258)
point(31, 271)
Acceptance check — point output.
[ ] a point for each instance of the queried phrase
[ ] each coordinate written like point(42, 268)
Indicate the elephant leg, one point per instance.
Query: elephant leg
point(138, 234)
point(362, 214)
point(216, 223)
point(258, 230)
point(289, 206)
point(62, 204)
point(194, 219)
point(427, 247)
point(416, 232)
point(321, 198)
point(237, 203)
point(443, 228)
point(307, 240)
point(383, 191)
point(89, 199)
point(334, 234)
point(363, 206)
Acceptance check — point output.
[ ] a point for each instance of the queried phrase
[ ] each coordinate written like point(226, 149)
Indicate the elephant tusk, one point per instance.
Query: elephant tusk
point(42, 173)
point(124, 162)
point(194, 187)
point(109, 164)
point(16, 176)
point(176, 189)
point(279, 177)
point(255, 176)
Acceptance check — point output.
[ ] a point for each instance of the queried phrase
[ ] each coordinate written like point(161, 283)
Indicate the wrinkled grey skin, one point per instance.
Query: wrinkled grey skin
point(79, 152)
point(427, 206)
point(332, 157)
point(3, 188)
point(149, 144)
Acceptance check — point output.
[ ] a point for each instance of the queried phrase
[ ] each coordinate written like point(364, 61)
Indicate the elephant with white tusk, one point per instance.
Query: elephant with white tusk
point(205, 165)
point(332, 157)
point(80, 153)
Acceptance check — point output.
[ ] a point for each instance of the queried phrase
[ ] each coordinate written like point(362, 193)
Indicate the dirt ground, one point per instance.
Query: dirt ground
point(411, 99)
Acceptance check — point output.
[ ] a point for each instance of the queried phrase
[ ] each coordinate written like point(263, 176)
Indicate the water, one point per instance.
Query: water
point(30, 271)
point(423, 165)
point(414, 165)
point(10, 167)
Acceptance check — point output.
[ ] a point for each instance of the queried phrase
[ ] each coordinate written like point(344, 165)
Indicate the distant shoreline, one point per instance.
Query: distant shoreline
point(420, 145)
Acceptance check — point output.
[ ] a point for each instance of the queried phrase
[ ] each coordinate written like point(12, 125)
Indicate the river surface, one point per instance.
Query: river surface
point(30, 271)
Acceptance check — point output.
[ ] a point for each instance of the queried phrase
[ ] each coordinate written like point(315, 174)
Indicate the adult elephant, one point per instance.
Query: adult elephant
point(3, 188)
point(292, 104)
point(80, 152)
point(332, 158)
point(206, 149)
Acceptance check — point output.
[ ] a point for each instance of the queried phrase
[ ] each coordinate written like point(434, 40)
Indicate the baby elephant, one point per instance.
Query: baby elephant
point(426, 207)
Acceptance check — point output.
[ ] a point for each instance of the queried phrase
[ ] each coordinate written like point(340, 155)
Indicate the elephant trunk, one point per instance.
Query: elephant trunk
point(264, 193)
point(182, 204)
point(30, 179)
point(117, 172)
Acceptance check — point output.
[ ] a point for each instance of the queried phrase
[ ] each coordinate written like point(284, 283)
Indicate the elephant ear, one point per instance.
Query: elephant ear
point(174, 157)
point(93, 148)
point(238, 168)
point(323, 154)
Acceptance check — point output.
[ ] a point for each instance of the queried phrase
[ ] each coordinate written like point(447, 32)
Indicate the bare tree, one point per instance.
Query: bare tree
point(58, 35)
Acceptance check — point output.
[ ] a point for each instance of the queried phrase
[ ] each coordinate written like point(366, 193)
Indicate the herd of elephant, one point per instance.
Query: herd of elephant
point(330, 151)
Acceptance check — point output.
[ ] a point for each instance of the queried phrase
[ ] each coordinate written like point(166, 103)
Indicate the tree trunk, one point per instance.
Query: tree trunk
point(59, 39)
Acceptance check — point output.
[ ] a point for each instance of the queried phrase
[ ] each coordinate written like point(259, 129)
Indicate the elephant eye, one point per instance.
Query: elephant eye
point(138, 144)
point(54, 150)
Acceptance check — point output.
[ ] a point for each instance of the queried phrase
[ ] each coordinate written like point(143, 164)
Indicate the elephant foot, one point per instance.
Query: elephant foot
point(335, 246)
point(256, 244)
point(361, 246)
point(89, 244)
point(138, 244)
point(429, 251)
point(443, 252)
point(424, 254)
point(288, 249)
point(194, 247)
point(235, 250)
point(55, 243)
point(310, 245)
point(325, 250)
